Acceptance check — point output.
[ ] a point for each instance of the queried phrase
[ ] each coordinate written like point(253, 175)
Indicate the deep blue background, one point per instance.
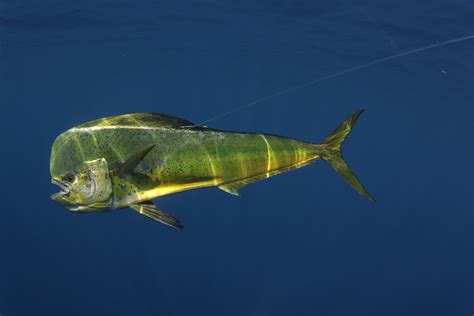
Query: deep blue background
point(302, 243)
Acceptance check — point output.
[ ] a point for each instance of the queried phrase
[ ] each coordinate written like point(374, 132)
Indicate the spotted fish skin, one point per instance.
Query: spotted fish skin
point(128, 160)
point(183, 157)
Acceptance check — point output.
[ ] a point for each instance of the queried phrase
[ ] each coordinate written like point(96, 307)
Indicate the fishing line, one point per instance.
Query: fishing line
point(337, 74)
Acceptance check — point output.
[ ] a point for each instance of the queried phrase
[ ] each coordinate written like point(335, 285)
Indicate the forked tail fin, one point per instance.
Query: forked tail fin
point(331, 153)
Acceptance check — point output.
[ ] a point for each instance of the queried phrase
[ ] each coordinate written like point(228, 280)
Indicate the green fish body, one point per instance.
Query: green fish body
point(134, 158)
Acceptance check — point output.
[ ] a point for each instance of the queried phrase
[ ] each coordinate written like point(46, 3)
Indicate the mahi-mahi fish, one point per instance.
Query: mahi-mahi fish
point(129, 160)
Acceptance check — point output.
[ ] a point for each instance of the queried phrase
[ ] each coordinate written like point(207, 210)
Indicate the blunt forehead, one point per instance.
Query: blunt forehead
point(110, 138)
point(69, 151)
point(86, 143)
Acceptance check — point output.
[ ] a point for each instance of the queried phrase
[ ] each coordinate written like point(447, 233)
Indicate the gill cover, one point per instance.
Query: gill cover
point(89, 184)
point(98, 181)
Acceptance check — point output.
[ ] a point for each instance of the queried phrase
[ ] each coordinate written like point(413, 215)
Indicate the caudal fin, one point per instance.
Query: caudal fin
point(331, 153)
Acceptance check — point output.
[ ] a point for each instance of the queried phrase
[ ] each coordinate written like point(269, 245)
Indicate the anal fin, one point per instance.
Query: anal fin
point(152, 211)
point(233, 187)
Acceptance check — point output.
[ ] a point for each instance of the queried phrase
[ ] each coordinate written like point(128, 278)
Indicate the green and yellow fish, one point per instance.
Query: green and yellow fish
point(128, 160)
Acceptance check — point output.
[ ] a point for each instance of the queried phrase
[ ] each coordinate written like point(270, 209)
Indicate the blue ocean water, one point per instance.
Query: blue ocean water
point(301, 243)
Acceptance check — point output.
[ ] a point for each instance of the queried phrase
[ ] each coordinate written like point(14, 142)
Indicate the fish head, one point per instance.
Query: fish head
point(89, 183)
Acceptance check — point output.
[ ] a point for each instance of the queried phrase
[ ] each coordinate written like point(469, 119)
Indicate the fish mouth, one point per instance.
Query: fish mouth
point(65, 189)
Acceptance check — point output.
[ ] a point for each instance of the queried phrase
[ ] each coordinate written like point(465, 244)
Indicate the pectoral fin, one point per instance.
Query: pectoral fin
point(152, 211)
point(129, 165)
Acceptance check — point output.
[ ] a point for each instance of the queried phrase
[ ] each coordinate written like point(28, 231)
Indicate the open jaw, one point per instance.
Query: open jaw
point(65, 189)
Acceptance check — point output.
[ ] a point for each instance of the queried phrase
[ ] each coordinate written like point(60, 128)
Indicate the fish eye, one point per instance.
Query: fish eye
point(70, 177)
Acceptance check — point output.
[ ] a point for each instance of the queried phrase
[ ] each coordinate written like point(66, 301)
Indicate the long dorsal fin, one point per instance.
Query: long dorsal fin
point(130, 164)
point(138, 120)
